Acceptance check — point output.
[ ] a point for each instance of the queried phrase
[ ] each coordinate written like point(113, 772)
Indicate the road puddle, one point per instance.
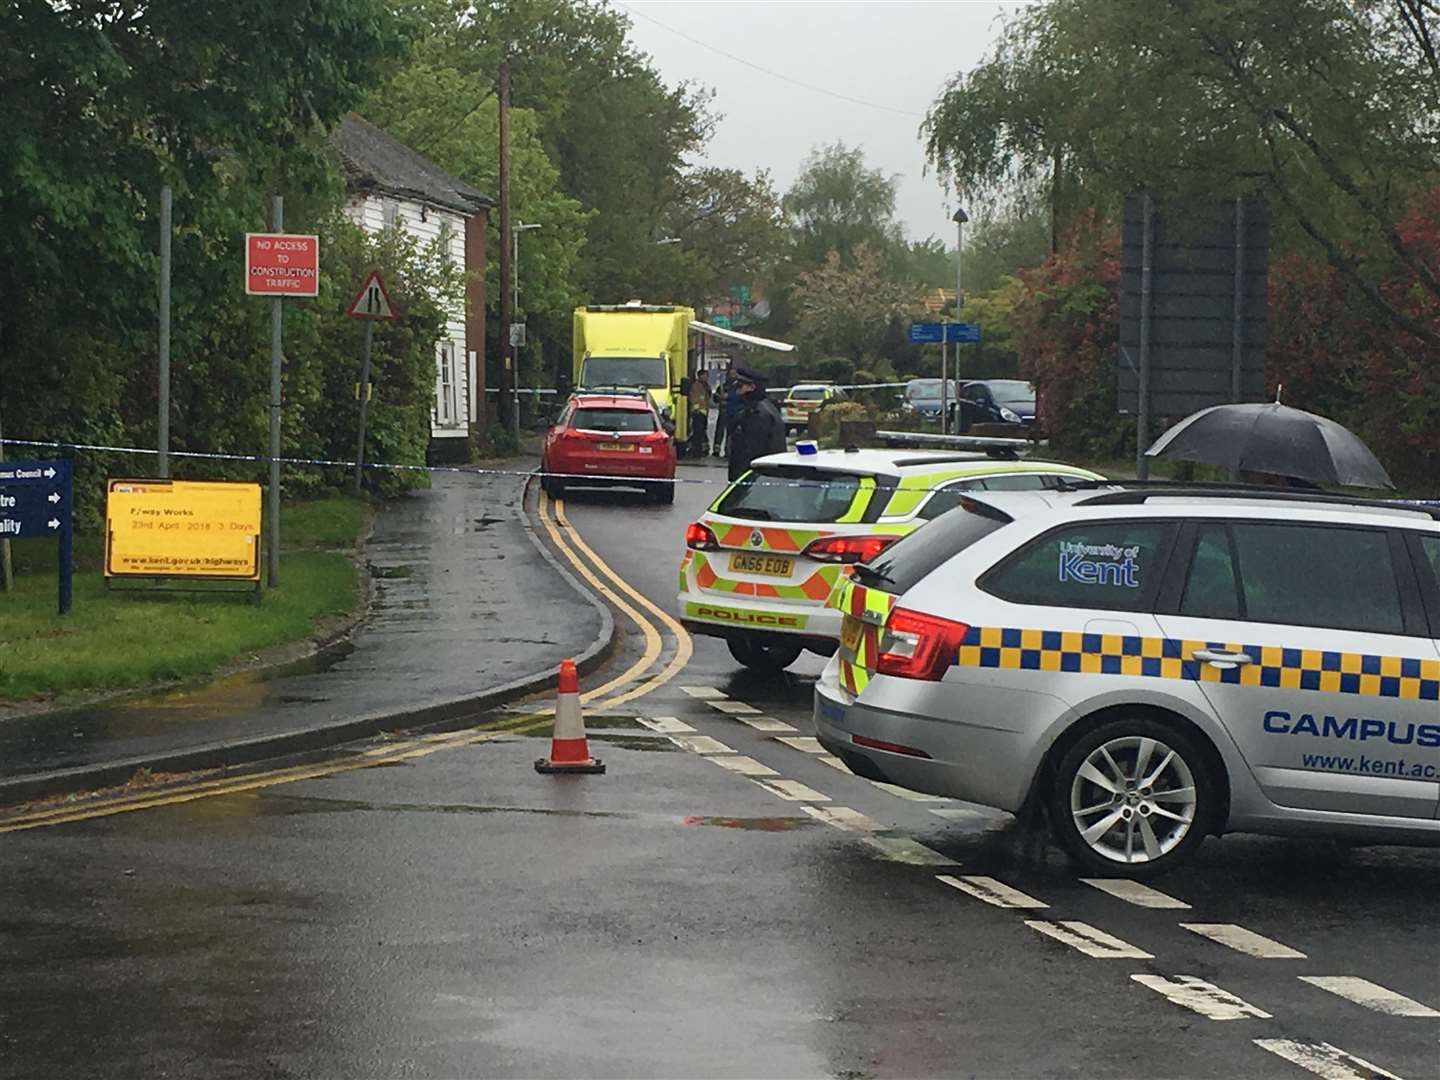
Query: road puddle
point(750, 824)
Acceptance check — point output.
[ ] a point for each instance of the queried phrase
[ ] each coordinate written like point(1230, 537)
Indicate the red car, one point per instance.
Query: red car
point(611, 440)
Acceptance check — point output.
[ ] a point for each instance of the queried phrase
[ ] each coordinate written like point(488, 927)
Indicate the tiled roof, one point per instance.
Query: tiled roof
point(375, 161)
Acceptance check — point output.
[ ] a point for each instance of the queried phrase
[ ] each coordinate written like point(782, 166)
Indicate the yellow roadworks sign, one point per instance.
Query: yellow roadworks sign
point(182, 528)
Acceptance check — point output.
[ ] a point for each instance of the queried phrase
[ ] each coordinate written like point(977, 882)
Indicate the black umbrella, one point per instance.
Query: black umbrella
point(1274, 438)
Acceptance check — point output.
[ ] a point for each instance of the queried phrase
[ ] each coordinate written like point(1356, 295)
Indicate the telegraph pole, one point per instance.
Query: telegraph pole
point(507, 373)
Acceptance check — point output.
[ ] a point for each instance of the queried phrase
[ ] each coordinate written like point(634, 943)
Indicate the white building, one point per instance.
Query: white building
point(388, 184)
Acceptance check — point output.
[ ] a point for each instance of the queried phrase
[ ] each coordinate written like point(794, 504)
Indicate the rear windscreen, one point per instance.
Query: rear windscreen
point(807, 393)
point(791, 493)
point(900, 567)
point(614, 420)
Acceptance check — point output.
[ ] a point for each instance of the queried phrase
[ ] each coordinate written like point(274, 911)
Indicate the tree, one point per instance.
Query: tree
point(106, 102)
point(839, 204)
point(1326, 107)
point(850, 310)
point(730, 232)
point(1002, 242)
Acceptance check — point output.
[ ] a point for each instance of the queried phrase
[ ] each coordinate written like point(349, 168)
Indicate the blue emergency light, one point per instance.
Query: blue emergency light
point(807, 448)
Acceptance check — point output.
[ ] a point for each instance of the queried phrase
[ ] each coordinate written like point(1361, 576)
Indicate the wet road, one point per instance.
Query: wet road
point(430, 638)
point(721, 903)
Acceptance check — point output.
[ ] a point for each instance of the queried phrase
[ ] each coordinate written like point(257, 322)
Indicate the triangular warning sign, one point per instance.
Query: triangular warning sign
point(372, 301)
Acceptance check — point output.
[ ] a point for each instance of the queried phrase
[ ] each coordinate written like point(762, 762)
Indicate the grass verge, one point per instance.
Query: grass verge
point(112, 640)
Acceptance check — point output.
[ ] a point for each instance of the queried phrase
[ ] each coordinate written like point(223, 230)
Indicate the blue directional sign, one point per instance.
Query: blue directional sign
point(36, 499)
point(927, 333)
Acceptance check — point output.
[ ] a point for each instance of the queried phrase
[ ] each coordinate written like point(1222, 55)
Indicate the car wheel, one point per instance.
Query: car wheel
point(556, 487)
point(768, 657)
point(663, 493)
point(1134, 796)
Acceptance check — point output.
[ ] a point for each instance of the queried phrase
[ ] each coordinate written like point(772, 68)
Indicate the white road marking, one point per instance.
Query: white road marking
point(835, 763)
point(1245, 941)
point(994, 893)
point(745, 766)
point(808, 743)
point(1088, 940)
point(1324, 1060)
point(701, 744)
point(1202, 997)
point(793, 791)
point(765, 723)
point(906, 793)
point(843, 817)
point(1372, 996)
point(902, 849)
point(1132, 892)
point(704, 693)
point(734, 708)
point(666, 725)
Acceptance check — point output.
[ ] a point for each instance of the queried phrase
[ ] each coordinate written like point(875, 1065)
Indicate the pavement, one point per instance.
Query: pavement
point(452, 569)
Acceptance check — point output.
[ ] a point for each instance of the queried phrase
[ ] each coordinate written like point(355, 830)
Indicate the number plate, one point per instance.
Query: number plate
point(850, 631)
point(745, 562)
point(617, 446)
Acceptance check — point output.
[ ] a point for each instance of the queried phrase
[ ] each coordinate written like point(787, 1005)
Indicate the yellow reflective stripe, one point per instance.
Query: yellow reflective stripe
point(860, 503)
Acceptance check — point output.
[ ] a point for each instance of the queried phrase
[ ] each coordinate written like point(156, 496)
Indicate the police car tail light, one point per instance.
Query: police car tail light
point(848, 549)
point(699, 537)
point(916, 646)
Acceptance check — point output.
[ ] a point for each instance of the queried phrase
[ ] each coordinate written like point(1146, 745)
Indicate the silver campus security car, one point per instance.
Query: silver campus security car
point(1150, 665)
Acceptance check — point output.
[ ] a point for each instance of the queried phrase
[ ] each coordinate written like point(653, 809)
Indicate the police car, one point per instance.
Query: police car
point(761, 562)
point(1151, 665)
point(803, 399)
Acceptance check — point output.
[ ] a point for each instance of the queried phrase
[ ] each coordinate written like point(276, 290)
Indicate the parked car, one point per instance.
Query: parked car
point(1153, 665)
point(803, 400)
point(994, 401)
point(922, 397)
point(609, 440)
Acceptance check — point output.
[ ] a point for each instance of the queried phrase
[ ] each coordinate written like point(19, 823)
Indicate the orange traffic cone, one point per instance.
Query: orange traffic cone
point(569, 749)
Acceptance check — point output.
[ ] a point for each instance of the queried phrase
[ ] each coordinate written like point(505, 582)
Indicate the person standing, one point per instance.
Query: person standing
point(700, 415)
point(727, 407)
point(759, 429)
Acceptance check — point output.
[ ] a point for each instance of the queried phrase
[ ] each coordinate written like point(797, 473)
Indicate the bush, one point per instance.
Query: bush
point(827, 419)
point(1067, 323)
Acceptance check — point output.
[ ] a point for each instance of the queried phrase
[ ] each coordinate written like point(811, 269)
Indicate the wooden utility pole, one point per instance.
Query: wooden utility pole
point(507, 372)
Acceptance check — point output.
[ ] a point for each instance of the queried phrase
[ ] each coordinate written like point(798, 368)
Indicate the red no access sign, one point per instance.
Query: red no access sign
point(282, 264)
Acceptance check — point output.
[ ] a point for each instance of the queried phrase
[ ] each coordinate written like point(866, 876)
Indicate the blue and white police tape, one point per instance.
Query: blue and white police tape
point(805, 448)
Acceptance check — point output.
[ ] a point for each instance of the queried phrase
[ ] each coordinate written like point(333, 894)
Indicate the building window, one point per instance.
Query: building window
point(390, 213)
point(446, 412)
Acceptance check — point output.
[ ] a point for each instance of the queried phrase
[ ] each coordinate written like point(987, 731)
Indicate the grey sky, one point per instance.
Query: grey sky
point(896, 53)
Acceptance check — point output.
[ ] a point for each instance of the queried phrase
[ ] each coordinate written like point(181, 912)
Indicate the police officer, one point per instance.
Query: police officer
point(727, 398)
point(759, 429)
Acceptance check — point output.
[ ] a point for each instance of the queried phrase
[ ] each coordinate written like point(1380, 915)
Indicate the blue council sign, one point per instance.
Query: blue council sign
point(36, 499)
point(933, 333)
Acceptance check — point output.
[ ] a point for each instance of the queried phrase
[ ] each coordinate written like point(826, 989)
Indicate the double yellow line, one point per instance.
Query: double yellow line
point(616, 692)
point(170, 795)
point(582, 557)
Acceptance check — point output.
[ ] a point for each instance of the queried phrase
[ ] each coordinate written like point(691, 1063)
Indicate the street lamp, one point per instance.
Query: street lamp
point(959, 217)
point(515, 231)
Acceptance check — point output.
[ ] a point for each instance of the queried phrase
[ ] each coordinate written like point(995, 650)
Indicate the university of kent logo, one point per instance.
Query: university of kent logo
point(757, 538)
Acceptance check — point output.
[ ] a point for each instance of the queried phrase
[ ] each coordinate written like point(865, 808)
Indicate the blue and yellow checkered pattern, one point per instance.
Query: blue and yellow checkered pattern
point(1368, 675)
